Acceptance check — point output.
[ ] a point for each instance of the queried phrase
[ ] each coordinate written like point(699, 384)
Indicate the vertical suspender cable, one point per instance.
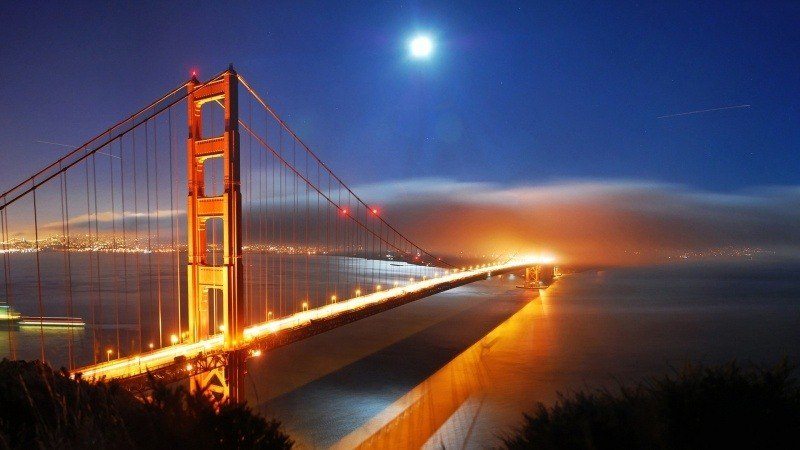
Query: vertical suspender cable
point(158, 232)
point(98, 278)
point(38, 277)
point(7, 277)
point(281, 224)
point(125, 249)
point(67, 265)
point(149, 230)
point(293, 242)
point(248, 238)
point(265, 229)
point(91, 265)
point(173, 234)
point(270, 223)
point(114, 274)
point(307, 242)
point(137, 248)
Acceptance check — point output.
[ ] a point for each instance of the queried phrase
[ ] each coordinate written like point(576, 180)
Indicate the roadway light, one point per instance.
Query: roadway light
point(151, 345)
point(109, 352)
point(358, 292)
point(378, 287)
point(173, 339)
point(305, 306)
point(333, 299)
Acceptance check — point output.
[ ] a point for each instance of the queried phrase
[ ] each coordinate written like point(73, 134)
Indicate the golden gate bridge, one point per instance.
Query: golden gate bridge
point(194, 234)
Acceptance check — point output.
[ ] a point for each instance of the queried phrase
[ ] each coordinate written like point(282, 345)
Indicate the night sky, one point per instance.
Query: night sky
point(515, 95)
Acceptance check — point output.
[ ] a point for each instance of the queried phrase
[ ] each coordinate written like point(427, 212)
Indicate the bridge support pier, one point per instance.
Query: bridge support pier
point(222, 382)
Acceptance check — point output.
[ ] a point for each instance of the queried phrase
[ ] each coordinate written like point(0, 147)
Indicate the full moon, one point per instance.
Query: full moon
point(421, 47)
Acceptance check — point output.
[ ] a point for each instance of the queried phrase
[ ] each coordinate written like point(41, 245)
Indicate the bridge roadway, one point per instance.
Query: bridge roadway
point(183, 359)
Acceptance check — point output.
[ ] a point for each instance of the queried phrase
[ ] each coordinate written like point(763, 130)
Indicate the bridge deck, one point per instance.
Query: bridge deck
point(134, 366)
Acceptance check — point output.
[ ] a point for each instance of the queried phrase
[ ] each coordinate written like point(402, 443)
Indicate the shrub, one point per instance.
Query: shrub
point(697, 407)
point(42, 408)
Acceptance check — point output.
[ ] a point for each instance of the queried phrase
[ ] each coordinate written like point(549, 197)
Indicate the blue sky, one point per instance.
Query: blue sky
point(516, 93)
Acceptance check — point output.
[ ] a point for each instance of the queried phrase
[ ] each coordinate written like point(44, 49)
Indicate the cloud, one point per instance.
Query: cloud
point(580, 221)
point(104, 219)
point(612, 222)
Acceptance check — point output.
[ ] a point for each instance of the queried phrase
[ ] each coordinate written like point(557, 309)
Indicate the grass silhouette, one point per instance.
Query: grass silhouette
point(697, 407)
point(43, 408)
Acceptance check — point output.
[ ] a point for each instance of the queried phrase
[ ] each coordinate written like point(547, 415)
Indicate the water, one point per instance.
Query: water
point(459, 368)
point(130, 300)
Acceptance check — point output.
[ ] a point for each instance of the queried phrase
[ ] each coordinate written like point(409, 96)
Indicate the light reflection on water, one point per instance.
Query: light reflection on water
point(404, 379)
point(455, 394)
point(114, 298)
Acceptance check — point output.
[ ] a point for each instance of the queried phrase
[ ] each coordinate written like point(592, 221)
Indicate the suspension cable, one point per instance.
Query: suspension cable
point(285, 126)
point(299, 175)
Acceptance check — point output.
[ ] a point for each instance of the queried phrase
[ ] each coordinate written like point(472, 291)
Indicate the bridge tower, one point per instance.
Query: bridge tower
point(536, 270)
point(208, 280)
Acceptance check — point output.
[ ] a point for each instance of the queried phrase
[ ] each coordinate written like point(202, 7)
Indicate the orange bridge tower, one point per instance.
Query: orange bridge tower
point(209, 280)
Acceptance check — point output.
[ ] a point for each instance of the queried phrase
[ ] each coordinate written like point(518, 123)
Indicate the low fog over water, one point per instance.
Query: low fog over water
point(460, 367)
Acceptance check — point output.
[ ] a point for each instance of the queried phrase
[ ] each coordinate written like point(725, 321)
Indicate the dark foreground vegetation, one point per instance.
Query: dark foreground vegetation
point(698, 407)
point(42, 408)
